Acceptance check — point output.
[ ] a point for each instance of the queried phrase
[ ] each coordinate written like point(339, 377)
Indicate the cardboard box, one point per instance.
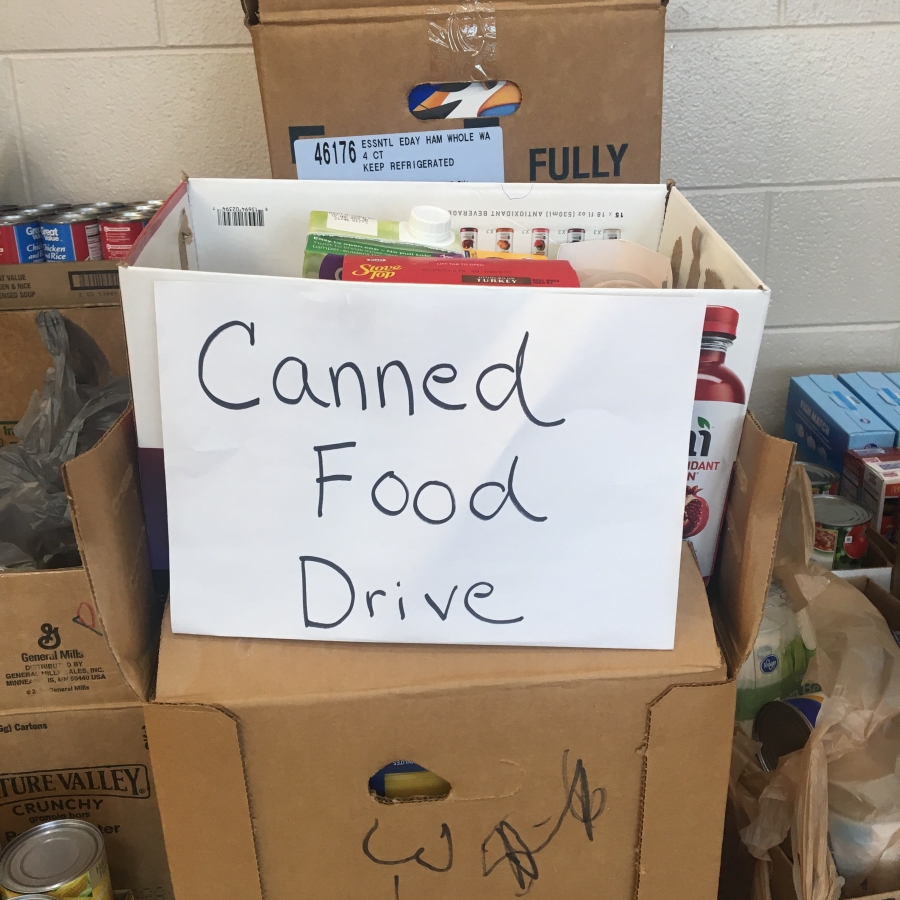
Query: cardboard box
point(567, 768)
point(24, 359)
point(878, 392)
point(881, 495)
point(855, 468)
point(826, 419)
point(79, 645)
point(89, 763)
point(59, 284)
point(590, 76)
point(189, 241)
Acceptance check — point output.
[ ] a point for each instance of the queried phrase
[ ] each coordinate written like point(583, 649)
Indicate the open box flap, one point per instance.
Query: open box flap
point(233, 670)
point(747, 548)
point(700, 257)
point(109, 526)
point(207, 801)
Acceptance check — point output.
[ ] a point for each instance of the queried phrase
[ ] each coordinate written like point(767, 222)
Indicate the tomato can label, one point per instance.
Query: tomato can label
point(117, 238)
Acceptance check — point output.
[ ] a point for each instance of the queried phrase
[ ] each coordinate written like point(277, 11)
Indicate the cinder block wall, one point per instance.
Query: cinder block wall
point(781, 122)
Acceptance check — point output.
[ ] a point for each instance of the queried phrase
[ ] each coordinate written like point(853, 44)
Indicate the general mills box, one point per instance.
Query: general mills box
point(567, 91)
point(826, 419)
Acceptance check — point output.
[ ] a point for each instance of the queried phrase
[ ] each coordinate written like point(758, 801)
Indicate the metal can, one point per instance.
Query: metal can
point(119, 230)
point(505, 239)
point(103, 206)
point(20, 239)
point(612, 234)
point(71, 237)
point(841, 524)
point(468, 238)
point(540, 241)
point(62, 859)
point(44, 209)
point(784, 726)
point(145, 204)
point(822, 479)
point(575, 235)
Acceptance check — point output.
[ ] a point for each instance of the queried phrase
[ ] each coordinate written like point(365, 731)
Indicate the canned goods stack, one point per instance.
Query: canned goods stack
point(63, 232)
point(62, 859)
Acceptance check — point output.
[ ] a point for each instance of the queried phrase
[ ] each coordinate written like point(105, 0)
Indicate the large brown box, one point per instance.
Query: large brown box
point(572, 771)
point(79, 645)
point(590, 73)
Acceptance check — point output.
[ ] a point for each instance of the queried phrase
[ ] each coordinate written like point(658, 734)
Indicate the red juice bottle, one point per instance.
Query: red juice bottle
point(719, 404)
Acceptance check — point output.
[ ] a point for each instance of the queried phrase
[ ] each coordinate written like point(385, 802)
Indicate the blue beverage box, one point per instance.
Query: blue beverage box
point(825, 419)
point(879, 393)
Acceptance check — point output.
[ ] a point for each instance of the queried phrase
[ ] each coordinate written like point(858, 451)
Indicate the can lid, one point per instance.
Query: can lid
point(65, 218)
point(839, 512)
point(721, 320)
point(780, 729)
point(820, 475)
point(49, 856)
point(17, 218)
point(128, 215)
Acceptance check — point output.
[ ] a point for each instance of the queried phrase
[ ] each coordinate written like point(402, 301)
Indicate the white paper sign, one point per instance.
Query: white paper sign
point(426, 463)
point(461, 154)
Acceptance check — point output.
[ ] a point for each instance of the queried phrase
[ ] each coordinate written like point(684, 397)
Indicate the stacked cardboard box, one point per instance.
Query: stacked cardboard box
point(79, 645)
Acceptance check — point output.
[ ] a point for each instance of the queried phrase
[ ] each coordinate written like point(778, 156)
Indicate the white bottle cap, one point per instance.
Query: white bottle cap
point(430, 225)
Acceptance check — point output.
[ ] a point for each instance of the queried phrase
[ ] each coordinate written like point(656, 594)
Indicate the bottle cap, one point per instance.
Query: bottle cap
point(430, 225)
point(721, 320)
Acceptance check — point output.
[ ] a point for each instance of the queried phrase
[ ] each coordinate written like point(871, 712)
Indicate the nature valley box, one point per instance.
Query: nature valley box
point(91, 764)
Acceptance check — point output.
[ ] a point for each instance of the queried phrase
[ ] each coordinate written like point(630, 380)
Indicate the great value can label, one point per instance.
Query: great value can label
point(71, 241)
point(20, 243)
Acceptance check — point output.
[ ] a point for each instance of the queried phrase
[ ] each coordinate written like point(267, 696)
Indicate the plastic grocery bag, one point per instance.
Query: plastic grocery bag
point(843, 785)
point(78, 403)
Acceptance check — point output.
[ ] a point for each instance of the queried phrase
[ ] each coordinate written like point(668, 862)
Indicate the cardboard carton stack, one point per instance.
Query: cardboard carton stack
point(79, 645)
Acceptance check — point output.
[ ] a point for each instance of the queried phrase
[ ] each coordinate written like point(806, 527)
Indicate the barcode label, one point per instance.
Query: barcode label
point(92, 281)
point(241, 215)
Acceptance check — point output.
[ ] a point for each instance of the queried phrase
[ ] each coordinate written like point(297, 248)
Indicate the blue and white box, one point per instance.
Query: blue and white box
point(879, 393)
point(826, 419)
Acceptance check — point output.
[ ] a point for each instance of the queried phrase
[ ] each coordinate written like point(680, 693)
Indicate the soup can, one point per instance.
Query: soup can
point(71, 237)
point(20, 239)
point(505, 239)
point(540, 241)
point(822, 479)
point(784, 726)
point(119, 230)
point(841, 524)
point(62, 859)
point(468, 237)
